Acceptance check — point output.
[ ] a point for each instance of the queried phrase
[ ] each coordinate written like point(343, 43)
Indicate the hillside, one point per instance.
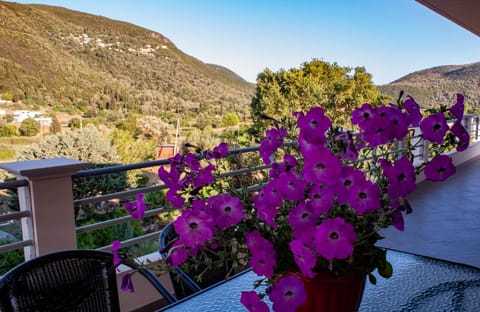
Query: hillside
point(438, 85)
point(77, 62)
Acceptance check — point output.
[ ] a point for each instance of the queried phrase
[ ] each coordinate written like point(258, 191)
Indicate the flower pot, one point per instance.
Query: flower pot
point(329, 293)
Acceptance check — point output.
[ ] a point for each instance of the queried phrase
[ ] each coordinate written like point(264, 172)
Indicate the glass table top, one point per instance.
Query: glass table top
point(418, 284)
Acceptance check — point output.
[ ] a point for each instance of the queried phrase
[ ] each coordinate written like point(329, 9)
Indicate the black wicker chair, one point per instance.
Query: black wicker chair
point(183, 284)
point(70, 280)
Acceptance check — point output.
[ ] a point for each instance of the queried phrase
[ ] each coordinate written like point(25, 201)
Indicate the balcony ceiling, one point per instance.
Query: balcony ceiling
point(465, 13)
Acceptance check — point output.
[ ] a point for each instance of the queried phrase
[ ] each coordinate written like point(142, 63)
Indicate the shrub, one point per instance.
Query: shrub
point(29, 127)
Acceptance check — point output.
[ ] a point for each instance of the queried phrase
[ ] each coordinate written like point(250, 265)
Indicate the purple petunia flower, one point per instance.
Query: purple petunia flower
point(313, 125)
point(127, 284)
point(397, 220)
point(398, 122)
point(413, 110)
point(365, 197)
point(174, 198)
point(115, 247)
point(204, 176)
point(291, 186)
point(434, 128)
point(218, 152)
point(334, 239)
point(177, 254)
point(320, 198)
point(254, 238)
point(191, 161)
point(272, 141)
point(227, 210)
point(439, 168)
point(250, 300)
point(263, 259)
point(347, 180)
point(171, 179)
point(268, 213)
point(136, 209)
point(302, 216)
point(195, 227)
point(349, 151)
point(304, 257)
point(458, 108)
point(377, 131)
point(287, 294)
point(361, 115)
point(401, 177)
point(321, 166)
point(462, 135)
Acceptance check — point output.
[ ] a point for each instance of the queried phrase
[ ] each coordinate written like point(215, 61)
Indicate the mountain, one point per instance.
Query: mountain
point(76, 62)
point(439, 85)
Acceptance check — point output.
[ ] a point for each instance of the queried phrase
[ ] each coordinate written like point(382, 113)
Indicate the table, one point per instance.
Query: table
point(418, 284)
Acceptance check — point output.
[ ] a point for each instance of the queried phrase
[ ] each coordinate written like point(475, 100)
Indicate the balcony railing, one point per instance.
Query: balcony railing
point(47, 206)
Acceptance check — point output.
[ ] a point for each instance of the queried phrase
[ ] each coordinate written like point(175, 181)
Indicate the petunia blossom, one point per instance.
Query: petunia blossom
point(413, 110)
point(334, 239)
point(320, 198)
point(401, 177)
point(439, 168)
point(272, 141)
point(365, 197)
point(463, 138)
point(434, 127)
point(115, 248)
point(136, 209)
point(287, 294)
point(227, 210)
point(313, 125)
point(194, 227)
point(127, 284)
point(362, 114)
point(250, 300)
point(458, 109)
point(291, 186)
point(304, 257)
point(322, 166)
point(218, 152)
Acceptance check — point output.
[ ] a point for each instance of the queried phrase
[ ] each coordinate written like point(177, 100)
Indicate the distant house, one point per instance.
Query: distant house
point(20, 115)
point(166, 151)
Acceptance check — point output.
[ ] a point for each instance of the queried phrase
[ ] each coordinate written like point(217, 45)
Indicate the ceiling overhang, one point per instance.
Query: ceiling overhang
point(465, 13)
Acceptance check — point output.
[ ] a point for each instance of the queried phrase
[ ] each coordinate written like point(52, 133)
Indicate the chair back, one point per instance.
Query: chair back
point(72, 280)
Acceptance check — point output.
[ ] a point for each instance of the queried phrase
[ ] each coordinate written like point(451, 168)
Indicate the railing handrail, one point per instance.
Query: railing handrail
point(470, 122)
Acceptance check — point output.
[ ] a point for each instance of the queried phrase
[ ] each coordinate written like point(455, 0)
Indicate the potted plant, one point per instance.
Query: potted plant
point(318, 216)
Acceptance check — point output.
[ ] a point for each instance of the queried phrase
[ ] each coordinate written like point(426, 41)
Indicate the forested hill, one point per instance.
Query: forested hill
point(51, 56)
point(439, 85)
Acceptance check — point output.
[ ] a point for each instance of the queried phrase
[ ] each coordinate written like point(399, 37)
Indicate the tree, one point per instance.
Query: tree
point(87, 144)
point(150, 127)
point(230, 120)
point(55, 127)
point(74, 123)
point(29, 127)
point(317, 83)
point(8, 130)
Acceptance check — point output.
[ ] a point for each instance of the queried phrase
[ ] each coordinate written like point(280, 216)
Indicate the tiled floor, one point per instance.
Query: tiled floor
point(445, 222)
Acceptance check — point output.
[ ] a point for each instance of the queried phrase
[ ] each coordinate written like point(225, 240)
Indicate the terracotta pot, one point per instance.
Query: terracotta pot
point(329, 293)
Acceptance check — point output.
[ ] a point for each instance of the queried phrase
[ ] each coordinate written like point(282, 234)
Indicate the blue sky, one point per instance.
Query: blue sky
point(390, 38)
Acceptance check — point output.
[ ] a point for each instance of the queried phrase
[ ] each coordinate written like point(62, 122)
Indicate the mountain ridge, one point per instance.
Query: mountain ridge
point(82, 62)
point(439, 85)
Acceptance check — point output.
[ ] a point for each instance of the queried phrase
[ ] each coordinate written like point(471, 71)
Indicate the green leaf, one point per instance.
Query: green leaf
point(386, 271)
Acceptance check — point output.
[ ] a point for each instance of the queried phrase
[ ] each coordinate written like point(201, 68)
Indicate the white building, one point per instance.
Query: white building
point(21, 115)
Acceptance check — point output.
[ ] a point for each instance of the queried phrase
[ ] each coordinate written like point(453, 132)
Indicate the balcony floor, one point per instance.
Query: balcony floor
point(445, 222)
